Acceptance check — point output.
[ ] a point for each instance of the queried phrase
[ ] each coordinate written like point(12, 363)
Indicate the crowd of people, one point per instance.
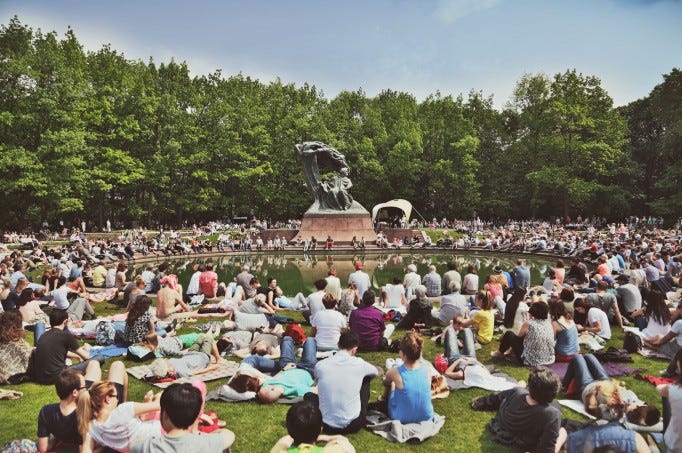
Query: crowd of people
point(621, 276)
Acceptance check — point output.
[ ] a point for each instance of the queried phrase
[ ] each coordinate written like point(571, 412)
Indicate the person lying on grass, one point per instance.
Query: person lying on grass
point(197, 360)
point(294, 380)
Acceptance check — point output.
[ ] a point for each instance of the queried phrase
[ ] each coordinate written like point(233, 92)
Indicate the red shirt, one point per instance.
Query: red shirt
point(208, 284)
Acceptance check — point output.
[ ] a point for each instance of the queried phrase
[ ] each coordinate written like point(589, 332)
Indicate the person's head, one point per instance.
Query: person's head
point(432, 268)
point(180, 406)
point(61, 281)
point(551, 274)
point(472, 269)
point(243, 383)
point(58, 317)
point(100, 395)
point(139, 308)
point(602, 285)
point(656, 307)
point(25, 297)
point(209, 267)
point(352, 286)
point(161, 368)
point(332, 271)
point(348, 340)
point(543, 384)
point(539, 310)
point(329, 301)
point(11, 328)
point(454, 287)
point(151, 341)
point(581, 305)
point(567, 295)
point(69, 383)
point(644, 415)
point(358, 265)
point(268, 394)
point(150, 267)
point(452, 266)
point(254, 283)
point(260, 299)
point(513, 305)
point(604, 401)
point(304, 422)
point(560, 264)
point(320, 284)
point(411, 347)
point(246, 268)
point(557, 309)
point(396, 280)
point(121, 267)
point(484, 299)
point(520, 262)
point(368, 298)
point(162, 267)
point(139, 282)
point(272, 282)
point(411, 268)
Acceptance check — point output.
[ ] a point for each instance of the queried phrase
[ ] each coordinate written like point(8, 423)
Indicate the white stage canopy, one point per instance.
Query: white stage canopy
point(401, 204)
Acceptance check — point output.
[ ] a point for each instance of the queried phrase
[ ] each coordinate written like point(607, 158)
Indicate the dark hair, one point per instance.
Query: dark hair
point(244, 383)
point(222, 345)
point(603, 285)
point(650, 414)
point(539, 310)
point(368, 298)
point(557, 309)
point(181, 403)
point(320, 284)
point(471, 269)
point(253, 280)
point(67, 381)
point(348, 340)
point(25, 297)
point(11, 328)
point(209, 266)
point(512, 306)
point(396, 280)
point(121, 266)
point(567, 295)
point(656, 307)
point(329, 301)
point(452, 266)
point(543, 384)
point(61, 281)
point(412, 345)
point(163, 266)
point(270, 279)
point(139, 308)
point(57, 317)
point(486, 299)
point(304, 422)
point(582, 303)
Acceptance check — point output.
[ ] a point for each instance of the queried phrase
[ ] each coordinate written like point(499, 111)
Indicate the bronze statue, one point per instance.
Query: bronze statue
point(332, 193)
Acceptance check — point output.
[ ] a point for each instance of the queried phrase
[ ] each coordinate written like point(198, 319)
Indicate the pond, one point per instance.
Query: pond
point(298, 272)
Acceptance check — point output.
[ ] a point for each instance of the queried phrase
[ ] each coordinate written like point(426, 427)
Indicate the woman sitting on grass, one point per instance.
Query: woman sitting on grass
point(672, 408)
point(565, 331)
point(482, 320)
point(408, 386)
point(14, 351)
point(534, 345)
point(102, 422)
point(139, 321)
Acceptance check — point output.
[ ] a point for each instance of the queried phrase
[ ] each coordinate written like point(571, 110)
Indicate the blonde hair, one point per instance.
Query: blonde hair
point(151, 341)
point(91, 402)
point(604, 401)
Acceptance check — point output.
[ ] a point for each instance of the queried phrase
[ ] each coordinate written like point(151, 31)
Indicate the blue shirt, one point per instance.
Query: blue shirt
point(412, 403)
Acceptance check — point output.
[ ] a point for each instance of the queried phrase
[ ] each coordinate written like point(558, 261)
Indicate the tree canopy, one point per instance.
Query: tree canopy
point(95, 136)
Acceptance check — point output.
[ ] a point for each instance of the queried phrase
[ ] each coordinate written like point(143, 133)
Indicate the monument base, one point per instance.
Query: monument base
point(340, 225)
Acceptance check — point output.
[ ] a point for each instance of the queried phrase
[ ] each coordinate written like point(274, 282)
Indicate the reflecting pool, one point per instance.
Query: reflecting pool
point(297, 271)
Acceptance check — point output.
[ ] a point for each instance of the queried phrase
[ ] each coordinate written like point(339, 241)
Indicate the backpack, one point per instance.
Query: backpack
point(613, 355)
point(105, 333)
point(632, 342)
point(295, 331)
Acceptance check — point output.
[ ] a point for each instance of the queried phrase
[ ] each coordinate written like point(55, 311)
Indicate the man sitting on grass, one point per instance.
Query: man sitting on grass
point(525, 416)
point(180, 407)
point(304, 427)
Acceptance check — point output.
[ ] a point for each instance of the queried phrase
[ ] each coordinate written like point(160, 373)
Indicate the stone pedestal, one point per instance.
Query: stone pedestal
point(340, 225)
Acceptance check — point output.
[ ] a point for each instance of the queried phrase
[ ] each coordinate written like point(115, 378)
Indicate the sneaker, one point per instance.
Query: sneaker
point(390, 363)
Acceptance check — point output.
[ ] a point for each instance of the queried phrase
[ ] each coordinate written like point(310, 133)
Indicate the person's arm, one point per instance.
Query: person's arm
point(228, 437)
point(82, 353)
point(88, 445)
point(619, 317)
point(524, 330)
point(143, 408)
point(339, 440)
point(642, 446)
point(663, 390)
point(450, 371)
point(659, 340)
point(282, 444)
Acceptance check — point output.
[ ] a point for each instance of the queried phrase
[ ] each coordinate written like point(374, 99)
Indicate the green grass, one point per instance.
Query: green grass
point(257, 427)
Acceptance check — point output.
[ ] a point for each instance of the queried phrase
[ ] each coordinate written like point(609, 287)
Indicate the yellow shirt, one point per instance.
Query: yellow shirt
point(484, 321)
point(98, 275)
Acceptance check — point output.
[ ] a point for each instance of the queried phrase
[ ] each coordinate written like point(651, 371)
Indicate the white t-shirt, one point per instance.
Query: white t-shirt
point(673, 435)
point(394, 295)
point(328, 324)
point(123, 428)
point(59, 296)
point(677, 328)
point(653, 328)
point(595, 314)
point(315, 302)
point(193, 286)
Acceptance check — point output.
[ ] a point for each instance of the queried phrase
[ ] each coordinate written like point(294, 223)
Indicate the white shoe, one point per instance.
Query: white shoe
point(390, 363)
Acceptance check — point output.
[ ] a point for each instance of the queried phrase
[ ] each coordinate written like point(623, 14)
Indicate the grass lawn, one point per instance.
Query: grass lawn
point(257, 427)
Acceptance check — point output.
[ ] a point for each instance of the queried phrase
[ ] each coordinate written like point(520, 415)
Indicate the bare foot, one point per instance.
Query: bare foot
point(148, 397)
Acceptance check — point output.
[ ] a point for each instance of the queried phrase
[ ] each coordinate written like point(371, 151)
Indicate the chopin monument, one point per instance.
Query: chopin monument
point(333, 212)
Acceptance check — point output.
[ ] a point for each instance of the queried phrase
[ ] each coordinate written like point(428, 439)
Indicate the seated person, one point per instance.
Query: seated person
point(596, 319)
point(168, 301)
point(672, 408)
point(589, 378)
point(368, 324)
point(55, 346)
point(343, 387)
point(408, 386)
point(393, 295)
point(197, 360)
point(418, 311)
point(57, 423)
point(294, 380)
point(483, 319)
point(180, 406)
point(604, 402)
point(327, 325)
point(452, 304)
point(15, 352)
point(525, 417)
point(534, 345)
point(304, 428)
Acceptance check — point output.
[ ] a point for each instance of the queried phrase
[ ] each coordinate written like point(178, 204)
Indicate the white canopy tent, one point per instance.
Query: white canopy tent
point(401, 204)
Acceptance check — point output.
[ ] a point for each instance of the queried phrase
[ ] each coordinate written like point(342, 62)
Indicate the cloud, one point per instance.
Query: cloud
point(450, 11)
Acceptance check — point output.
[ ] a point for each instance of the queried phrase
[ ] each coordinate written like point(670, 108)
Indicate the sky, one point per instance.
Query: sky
point(420, 46)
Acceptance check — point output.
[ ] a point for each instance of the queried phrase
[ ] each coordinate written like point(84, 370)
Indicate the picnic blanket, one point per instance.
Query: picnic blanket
point(113, 350)
point(492, 379)
point(613, 369)
point(579, 407)
point(394, 431)
point(225, 369)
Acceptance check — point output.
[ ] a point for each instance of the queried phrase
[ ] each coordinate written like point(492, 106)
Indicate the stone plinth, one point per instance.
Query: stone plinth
point(340, 225)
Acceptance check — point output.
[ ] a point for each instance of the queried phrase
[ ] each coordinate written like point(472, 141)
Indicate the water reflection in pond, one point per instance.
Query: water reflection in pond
point(298, 272)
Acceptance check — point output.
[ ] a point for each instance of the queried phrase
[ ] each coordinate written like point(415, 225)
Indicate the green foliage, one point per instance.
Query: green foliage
point(94, 136)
